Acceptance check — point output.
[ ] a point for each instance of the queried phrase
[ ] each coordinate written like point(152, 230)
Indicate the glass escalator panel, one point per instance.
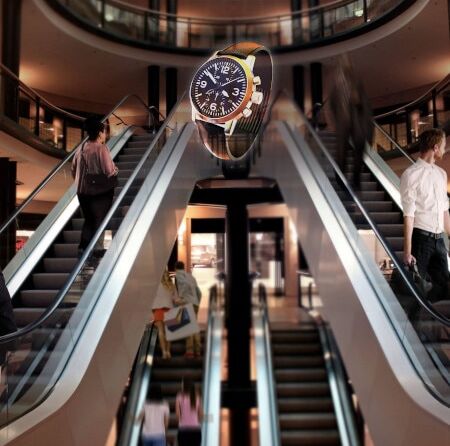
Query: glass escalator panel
point(421, 325)
point(39, 352)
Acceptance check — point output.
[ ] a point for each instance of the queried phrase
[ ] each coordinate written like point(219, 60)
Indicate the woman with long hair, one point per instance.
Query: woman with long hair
point(95, 158)
point(188, 408)
point(164, 300)
point(156, 418)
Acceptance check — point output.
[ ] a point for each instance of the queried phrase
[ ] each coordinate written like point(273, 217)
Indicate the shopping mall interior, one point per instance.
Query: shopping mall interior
point(312, 330)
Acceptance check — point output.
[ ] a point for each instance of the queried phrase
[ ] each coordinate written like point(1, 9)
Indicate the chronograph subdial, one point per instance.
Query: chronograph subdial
point(219, 88)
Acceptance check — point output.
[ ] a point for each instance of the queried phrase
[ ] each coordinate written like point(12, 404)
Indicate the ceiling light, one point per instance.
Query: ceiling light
point(109, 17)
point(359, 12)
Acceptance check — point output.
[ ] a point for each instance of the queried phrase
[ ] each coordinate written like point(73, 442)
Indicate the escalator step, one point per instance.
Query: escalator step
point(59, 264)
point(77, 224)
point(25, 316)
point(295, 349)
point(391, 230)
point(310, 438)
point(292, 421)
point(129, 158)
point(50, 281)
point(306, 374)
point(293, 390)
point(297, 361)
point(318, 404)
point(143, 143)
point(127, 165)
point(162, 375)
point(38, 298)
point(66, 250)
point(72, 236)
point(278, 337)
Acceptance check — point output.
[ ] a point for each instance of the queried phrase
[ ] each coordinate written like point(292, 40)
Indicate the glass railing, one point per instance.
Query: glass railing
point(146, 27)
point(130, 111)
point(402, 126)
point(421, 322)
point(27, 109)
point(39, 352)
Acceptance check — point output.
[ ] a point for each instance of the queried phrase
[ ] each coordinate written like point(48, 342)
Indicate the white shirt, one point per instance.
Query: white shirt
point(187, 287)
point(164, 297)
point(423, 189)
point(154, 414)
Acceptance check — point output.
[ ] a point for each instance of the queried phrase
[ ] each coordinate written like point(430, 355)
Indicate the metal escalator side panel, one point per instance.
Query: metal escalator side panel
point(212, 381)
point(123, 289)
point(351, 305)
point(26, 259)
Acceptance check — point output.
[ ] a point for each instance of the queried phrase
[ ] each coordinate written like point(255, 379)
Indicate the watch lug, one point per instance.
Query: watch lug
point(250, 61)
point(230, 126)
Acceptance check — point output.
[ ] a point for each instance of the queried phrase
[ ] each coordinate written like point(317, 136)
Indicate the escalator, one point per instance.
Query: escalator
point(392, 341)
point(309, 399)
point(204, 371)
point(107, 301)
point(50, 275)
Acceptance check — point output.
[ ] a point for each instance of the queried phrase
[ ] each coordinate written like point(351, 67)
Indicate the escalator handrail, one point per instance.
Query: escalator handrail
point(76, 270)
point(337, 380)
point(140, 381)
point(262, 298)
point(214, 305)
point(437, 87)
point(59, 166)
point(41, 98)
point(394, 142)
point(437, 315)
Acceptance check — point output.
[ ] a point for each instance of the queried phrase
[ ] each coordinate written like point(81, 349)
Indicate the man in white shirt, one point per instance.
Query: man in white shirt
point(423, 188)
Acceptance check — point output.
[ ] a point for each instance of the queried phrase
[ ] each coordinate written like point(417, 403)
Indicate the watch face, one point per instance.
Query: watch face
point(219, 87)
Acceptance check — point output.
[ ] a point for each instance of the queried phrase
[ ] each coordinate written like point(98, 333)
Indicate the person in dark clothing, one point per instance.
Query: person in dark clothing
point(95, 158)
point(7, 321)
point(352, 116)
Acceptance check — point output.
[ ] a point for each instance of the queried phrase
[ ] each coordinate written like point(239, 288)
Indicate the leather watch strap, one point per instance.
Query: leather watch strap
point(247, 129)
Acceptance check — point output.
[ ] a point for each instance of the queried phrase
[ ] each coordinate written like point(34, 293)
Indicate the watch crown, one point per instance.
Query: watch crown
point(257, 80)
point(246, 112)
point(257, 97)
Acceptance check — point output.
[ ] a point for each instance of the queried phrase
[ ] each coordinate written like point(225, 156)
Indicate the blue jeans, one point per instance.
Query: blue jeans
point(157, 440)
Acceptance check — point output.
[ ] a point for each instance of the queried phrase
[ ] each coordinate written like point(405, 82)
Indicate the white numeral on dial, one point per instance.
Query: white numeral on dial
point(213, 106)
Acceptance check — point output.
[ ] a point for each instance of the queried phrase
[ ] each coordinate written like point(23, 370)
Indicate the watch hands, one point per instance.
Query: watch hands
point(210, 76)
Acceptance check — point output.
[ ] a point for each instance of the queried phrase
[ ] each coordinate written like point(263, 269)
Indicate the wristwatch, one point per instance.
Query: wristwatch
point(229, 95)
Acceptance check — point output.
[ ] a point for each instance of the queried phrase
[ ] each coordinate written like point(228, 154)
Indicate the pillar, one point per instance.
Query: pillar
point(171, 89)
point(8, 176)
point(153, 91)
point(316, 83)
point(298, 74)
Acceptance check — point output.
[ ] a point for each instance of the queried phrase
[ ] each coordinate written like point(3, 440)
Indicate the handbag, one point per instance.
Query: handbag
point(180, 322)
point(422, 285)
point(94, 183)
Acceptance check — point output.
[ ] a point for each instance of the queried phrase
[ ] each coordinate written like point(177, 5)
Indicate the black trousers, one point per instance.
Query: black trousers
point(431, 257)
point(95, 208)
point(189, 437)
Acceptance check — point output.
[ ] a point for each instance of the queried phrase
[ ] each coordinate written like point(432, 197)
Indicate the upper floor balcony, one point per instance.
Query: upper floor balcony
point(290, 31)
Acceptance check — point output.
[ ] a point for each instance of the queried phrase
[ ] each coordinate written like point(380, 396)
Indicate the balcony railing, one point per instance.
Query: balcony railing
point(404, 124)
point(22, 108)
point(153, 29)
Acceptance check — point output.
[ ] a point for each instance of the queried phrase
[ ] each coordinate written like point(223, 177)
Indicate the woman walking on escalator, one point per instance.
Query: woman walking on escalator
point(95, 176)
point(188, 407)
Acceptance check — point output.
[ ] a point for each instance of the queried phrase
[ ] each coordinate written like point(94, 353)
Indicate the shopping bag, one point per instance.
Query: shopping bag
point(180, 322)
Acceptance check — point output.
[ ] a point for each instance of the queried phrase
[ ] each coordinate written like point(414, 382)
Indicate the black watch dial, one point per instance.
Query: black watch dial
point(218, 87)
